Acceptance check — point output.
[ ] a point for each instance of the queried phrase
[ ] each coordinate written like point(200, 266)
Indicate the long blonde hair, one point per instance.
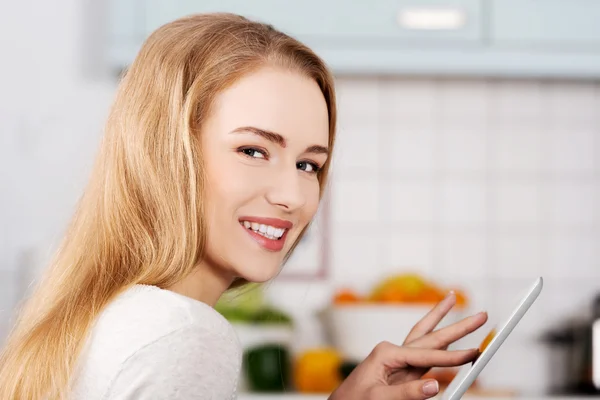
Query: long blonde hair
point(140, 220)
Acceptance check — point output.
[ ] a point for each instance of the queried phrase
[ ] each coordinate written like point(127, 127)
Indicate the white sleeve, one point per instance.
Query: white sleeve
point(189, 363)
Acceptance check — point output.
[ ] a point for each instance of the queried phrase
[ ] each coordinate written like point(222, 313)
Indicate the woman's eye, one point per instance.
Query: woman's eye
point(254, 153)
point(308, 167)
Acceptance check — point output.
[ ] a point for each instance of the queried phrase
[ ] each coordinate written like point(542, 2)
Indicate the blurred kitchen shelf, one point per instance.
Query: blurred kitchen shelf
point(502, 38)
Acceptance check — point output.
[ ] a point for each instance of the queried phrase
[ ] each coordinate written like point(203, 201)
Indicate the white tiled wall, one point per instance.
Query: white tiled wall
point(484, 184)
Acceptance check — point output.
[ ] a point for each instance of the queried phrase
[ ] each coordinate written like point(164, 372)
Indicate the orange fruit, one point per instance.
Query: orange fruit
point(487, 340)
point(317, 371)
point(430, 295)
point(346, 296)
point(403, 286)
point(392, 296)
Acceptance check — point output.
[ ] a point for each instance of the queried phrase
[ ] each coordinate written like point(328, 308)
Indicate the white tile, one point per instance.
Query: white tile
point(463, 148)
point(478, 293)
point(516, 99)
point(410, 201)
point(358, 99)
point(416, 98)
point(575, 100)
point(409, 251)
point(574, 256)
point(409, 147)
point(572, 203)
point(356, 258)
point(357, 148)
point(515, 147)
point(465, 98)
point(463, 256)
point(515, 202)
point(572, 150)
point(355, 201)
point(567, 300)
point(463, 202)
point(529, 376)
point(516, 256)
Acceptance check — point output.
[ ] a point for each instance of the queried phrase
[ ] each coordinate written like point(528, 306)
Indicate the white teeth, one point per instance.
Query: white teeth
point(267, 231)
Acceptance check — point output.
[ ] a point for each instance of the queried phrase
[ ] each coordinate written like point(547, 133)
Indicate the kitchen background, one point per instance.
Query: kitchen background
point(472, 182)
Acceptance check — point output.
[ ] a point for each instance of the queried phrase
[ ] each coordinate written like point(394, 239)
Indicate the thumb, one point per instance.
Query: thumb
point(412, 390)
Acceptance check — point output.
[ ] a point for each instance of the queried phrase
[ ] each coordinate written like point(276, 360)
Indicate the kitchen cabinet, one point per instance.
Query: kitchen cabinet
point(333, 23)
point(536, 24)
point(505, 38)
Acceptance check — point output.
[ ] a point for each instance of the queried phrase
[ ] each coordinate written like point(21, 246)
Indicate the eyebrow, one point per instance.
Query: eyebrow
point(278, 139)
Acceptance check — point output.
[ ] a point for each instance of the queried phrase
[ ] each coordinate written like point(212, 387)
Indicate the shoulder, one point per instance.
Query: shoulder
point(144, 314)
point(189, 363)
point(151, 333)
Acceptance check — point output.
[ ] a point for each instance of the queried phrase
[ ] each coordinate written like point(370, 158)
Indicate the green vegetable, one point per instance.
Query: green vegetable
point(271, 316)
point(267, 368)
point(248, 298)
point(236, 315)
point(247, 305)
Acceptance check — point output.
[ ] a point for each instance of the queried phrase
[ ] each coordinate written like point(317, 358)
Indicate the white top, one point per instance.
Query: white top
point(152, 343)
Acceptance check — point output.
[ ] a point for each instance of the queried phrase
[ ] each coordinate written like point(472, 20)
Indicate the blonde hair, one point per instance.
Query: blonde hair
point(140, 220)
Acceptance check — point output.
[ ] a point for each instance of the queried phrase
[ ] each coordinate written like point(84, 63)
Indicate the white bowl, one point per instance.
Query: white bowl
point(356, 329)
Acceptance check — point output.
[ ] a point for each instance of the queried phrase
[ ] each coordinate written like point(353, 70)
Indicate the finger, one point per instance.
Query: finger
point(414, 390)
point(442, 338)
point(401, 357)
point(432, 318)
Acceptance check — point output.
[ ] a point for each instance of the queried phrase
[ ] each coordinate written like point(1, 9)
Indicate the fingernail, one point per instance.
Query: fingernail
point(449, 295)
point(431, 387)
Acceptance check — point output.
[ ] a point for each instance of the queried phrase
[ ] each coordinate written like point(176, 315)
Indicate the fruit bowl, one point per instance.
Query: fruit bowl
point(356, 329)
point(356, 323)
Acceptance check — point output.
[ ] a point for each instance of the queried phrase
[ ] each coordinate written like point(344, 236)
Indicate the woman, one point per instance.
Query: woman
point(215, 158)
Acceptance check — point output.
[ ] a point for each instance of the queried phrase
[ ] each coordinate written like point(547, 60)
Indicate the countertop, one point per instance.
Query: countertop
point(467, 397)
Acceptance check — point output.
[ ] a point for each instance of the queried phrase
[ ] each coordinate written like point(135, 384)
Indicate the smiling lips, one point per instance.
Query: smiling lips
point(270, 233)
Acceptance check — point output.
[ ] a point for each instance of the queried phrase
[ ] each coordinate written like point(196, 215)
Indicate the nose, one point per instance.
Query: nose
point(287, 191)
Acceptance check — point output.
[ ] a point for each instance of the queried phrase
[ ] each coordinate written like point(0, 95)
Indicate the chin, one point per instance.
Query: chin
point(259, 273)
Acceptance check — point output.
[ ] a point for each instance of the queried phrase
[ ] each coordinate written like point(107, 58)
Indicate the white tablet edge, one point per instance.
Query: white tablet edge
point(461, 383)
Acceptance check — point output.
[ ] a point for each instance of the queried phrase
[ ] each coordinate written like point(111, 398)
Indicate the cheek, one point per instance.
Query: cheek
point(312, 201)
point(226, 192)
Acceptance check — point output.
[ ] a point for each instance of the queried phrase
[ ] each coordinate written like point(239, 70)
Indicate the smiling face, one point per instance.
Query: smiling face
point(262, 145)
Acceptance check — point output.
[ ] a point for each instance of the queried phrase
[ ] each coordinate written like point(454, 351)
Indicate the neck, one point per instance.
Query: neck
point(205, 284)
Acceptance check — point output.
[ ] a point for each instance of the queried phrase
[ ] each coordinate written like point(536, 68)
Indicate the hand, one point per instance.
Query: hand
point(394, 372)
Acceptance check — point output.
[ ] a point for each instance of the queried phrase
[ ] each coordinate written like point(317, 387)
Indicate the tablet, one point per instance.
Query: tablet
point(468, 373)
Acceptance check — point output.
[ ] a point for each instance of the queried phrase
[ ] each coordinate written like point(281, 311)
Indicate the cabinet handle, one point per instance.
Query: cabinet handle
point(432, 18)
